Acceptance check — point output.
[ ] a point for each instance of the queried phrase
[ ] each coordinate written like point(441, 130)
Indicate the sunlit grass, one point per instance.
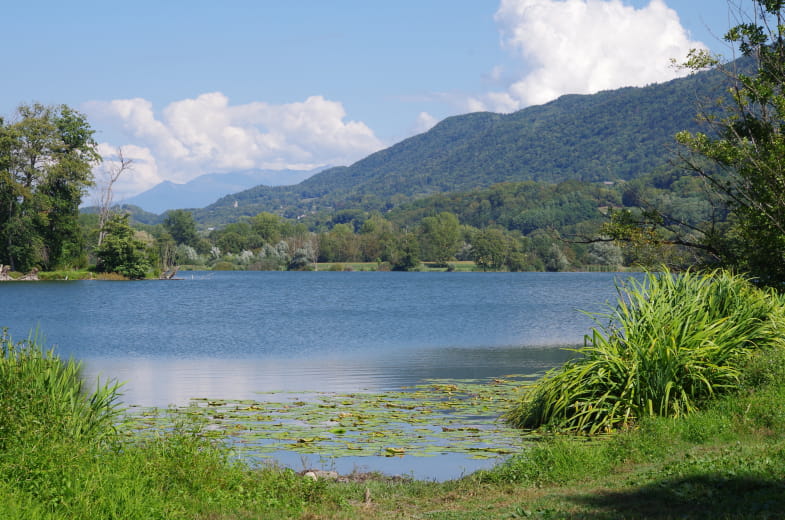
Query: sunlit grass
point(64, 454)
point(670, 344)
point(43, 395)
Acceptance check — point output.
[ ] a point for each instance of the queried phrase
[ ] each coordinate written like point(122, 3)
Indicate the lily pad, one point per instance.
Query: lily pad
point(439, 416)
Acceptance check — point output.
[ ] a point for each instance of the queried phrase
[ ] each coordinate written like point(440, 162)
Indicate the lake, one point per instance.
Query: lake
point(235, 335)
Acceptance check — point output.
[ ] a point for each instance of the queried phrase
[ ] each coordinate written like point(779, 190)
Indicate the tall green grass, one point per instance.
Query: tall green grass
point(671, 343)
point(65, 453)
point(42, 395)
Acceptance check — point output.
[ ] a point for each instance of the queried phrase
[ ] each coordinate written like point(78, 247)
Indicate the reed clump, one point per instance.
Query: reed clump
point(671, 343)
point(66, 452)
point(45, 396)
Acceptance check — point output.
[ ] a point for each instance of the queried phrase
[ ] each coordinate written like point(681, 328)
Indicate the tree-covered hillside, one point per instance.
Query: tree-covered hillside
point(613, 135)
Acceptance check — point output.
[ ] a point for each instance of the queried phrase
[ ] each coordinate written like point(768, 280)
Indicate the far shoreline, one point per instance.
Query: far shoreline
point(425, 267)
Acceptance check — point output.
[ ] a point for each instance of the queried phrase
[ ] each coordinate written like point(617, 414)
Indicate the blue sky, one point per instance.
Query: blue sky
point(195, 87)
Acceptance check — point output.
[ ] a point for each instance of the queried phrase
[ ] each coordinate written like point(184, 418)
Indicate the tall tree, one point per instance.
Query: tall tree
point(109, 176)
point(267, 226)
point(490, 248)
point(405, 254)
point(46, 160)
point(121, 252)
point(180, 224)
point(440, 237)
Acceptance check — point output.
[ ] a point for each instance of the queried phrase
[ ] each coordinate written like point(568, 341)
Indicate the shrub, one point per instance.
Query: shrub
point(224, 266)
point(671, 343)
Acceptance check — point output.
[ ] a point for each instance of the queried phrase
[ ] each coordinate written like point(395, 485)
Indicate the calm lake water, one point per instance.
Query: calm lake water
point(231, 335)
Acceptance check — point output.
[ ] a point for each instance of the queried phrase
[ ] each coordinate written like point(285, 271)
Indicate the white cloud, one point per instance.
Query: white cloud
point(139, 176)
point(207, 134)
point(584, 46)
point(425, 122)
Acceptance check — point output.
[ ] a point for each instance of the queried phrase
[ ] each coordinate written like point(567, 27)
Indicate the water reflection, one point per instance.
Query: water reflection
point(174, 381)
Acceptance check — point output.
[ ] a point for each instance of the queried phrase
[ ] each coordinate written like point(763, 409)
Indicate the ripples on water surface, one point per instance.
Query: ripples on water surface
point(233, 334)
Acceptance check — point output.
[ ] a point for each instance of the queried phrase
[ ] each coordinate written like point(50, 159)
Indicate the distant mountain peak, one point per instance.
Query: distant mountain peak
point(210, 187)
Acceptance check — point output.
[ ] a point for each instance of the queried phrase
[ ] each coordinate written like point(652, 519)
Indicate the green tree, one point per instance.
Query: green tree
point(267, 226)
point(405, 255)
point(742, 156)
point(440, 237)
point(121, 252)
point(181, 225)
point(46, 160)
point(490, 248)
point(377, 237)
point(340, 244)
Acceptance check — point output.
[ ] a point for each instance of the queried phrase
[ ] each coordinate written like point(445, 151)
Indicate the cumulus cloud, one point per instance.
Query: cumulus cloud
point(140, 175)
point(584, 46)
point(207, 134)
point(425, 122)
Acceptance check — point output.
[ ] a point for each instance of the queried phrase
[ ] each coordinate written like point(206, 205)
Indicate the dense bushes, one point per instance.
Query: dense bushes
point(671, 343)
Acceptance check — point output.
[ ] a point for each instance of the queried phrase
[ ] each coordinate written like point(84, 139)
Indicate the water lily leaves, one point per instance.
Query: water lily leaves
point(393, 452)
point(439, 416)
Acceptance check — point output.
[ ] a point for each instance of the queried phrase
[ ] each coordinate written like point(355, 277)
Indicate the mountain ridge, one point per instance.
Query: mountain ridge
point(208, 188)
point(613, 135)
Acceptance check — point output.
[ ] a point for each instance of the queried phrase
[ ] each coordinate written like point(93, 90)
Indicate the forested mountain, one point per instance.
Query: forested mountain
point(613, 135)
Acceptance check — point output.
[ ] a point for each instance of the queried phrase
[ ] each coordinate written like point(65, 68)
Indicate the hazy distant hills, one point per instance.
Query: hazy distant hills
point(208, 188)
point(613, 135)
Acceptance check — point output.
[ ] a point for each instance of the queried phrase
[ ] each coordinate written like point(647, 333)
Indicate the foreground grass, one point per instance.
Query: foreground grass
point(725, 461)
point(63, 455)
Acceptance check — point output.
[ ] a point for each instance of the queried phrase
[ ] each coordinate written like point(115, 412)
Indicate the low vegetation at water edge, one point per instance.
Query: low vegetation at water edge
point(670, 344)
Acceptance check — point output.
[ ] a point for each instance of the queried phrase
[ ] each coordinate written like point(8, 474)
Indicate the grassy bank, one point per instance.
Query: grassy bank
point(65, 453)
point(727, 461)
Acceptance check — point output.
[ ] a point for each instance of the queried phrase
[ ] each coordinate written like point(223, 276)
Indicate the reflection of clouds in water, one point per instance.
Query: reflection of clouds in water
point(441, 467)
point(160, 382)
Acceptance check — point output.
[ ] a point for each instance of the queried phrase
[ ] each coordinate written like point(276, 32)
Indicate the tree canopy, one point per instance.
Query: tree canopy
point(742, 156)
point(46, 159)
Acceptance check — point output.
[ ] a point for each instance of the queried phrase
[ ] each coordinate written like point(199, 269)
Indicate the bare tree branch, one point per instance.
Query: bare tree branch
point(111, 174)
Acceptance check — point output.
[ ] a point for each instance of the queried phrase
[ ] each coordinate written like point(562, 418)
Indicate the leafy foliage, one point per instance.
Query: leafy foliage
point(440, 237)
point(671, 343)
point(490, 248)
point(45, 166)
point(741, 156)
point(180, 224)
point(121, 252)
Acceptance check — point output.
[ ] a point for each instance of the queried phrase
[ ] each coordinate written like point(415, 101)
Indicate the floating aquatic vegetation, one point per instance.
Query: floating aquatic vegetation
point(435, 417)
